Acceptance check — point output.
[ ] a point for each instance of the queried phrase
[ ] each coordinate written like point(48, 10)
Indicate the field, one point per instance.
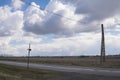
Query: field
point(17, 73)
point(20, 73)
point(111, 61)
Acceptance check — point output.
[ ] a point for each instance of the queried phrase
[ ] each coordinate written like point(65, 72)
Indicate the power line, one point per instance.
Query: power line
point(28, 3)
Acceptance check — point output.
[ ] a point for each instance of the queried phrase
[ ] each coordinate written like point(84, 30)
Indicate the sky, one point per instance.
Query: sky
point(59, 27)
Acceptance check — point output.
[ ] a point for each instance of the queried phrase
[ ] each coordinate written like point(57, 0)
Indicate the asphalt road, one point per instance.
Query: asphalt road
point(81, 70)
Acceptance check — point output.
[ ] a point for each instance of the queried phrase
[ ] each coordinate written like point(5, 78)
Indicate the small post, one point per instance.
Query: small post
point(29, 49)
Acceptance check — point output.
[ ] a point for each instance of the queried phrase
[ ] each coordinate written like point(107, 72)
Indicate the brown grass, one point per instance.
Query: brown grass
point(111, 62)
point(20, 73)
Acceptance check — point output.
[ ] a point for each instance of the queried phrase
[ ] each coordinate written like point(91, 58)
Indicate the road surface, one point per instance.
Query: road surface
point(81, 70)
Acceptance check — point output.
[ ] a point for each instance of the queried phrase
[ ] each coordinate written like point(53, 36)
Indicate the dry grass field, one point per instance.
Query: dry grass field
point(20, 73)
point(111, 61)
point(8, 72)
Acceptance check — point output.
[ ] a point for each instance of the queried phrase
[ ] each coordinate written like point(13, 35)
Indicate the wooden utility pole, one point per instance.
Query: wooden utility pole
point(29, 49)
point(102, 60)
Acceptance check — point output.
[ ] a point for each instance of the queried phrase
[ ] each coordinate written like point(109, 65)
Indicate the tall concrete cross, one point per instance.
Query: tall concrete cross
point(102, 45)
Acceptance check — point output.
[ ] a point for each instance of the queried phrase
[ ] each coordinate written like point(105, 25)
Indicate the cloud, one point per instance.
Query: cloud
point(17, 4)
point(80, 22)
point(10, 22)
point(44, 22)
point(68, 18)
point(96, 9)
point(82, 44)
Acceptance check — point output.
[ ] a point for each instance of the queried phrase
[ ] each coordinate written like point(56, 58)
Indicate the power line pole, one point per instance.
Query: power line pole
point(29, 49)
point(102, 60)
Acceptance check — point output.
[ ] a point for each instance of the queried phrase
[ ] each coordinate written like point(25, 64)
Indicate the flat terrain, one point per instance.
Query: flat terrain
point(111, 62)
point(83, 70)
point(8, 72)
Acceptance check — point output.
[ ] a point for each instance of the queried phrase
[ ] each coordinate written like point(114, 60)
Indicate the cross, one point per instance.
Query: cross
point(29, 49)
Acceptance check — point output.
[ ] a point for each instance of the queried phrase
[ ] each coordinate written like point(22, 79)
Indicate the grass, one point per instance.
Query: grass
point(111, 62)
point(19, 73)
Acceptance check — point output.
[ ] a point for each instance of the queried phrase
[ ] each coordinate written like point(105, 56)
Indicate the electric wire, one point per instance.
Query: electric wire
point(29, 3)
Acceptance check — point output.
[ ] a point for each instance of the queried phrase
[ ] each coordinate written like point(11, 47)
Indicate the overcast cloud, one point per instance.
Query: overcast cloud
point(96, 9)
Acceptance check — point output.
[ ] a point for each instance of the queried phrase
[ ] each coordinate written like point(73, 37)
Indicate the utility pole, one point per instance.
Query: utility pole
point(29, 49)
point(102, 59)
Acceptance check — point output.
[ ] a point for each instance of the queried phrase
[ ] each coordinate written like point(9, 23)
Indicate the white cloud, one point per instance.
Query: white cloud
point(17, 4)
point(10, 22)
point(61, 18)
point(83, 44)
point(44, 22)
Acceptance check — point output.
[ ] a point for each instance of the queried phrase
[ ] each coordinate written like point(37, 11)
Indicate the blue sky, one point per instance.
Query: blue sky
point(4, 2)
point(42, 3)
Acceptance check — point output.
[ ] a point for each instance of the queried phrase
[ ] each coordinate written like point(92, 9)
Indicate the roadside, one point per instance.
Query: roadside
point(81, 70)
point(8, 72)
point(20, 73)
point(111, 62)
